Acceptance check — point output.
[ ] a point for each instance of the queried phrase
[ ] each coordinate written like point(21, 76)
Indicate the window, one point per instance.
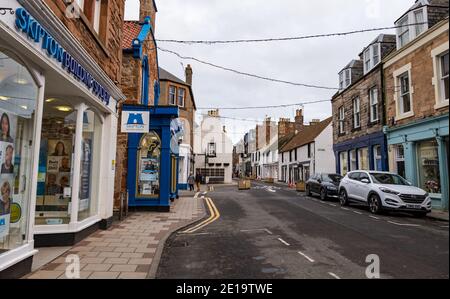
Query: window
point(341, 80)
point(403, 32)
point(371, 57)
point(348, 78)
point(345, 78)
point(376, 54)
point(149, 161)
point(295, 154)
point(92, 11)
point(172, 95)
point(367, 63)
point(378, 165)
point(181, 94)
point(290, 156)
point(373, 97)
point(356, 113)
point(429, 174)
point(399, 159)
point(444, 77)
point(363, 158)
point(418, 20)
point(404, 96)
point(343, 163)
point(353, 161)
point(282, 157)
point(342, 120)
point(212, 149)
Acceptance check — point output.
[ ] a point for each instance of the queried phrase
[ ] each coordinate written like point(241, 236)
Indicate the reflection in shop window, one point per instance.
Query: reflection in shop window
point(400, 160)
point(54, 190)
point(343, 163)
point(18, 95)
point(377, 158)
point(363, 158)
point(148, 164)
point(429, 175)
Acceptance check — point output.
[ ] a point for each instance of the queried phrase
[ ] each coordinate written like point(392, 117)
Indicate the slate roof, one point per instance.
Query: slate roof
point(307, 135)
point(165, 75)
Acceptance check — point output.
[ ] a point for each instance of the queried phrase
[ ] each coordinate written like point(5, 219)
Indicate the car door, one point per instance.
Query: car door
point(363, 188)
point(352, 188)
point(313, 183)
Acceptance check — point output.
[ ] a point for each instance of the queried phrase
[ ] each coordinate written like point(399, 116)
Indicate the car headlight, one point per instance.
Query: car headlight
point(333, 188)
point(389, 191)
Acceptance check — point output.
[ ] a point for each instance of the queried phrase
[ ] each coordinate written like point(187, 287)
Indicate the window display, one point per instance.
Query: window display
point(149, 157)
point(18, 95)
point(343, 162)
point(363, 158)
point(429, 175)
point(377, 158)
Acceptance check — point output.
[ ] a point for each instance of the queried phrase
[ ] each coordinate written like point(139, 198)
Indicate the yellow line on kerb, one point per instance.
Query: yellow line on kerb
point(213, 217)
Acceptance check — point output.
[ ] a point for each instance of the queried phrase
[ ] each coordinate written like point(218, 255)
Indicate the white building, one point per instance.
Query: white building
point(310, 151)
point(211, 143)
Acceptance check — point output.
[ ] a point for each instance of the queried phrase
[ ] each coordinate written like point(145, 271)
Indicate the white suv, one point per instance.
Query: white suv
point(383, 191)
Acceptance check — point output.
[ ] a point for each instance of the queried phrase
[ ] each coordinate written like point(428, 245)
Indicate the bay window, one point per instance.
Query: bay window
point(418, 20)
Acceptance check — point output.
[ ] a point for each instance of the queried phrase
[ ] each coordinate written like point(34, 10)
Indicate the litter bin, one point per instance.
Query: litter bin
point(244, 185)
point(300, 186)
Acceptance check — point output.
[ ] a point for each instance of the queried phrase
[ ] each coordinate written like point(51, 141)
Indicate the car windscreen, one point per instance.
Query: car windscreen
point(332, 178)
point(388, 179)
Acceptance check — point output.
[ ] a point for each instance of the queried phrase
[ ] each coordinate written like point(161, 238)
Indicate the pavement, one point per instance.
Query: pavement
point(273, 232)
point(130, 249)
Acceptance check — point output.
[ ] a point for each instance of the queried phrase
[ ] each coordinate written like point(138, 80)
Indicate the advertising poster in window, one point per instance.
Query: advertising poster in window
point(8, 124)
point(149, 170)
point(85, 179)
point(57, 183)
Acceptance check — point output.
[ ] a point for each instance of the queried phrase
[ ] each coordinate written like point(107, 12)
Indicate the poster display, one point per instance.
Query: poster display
point(85, 178)
point(8, 124)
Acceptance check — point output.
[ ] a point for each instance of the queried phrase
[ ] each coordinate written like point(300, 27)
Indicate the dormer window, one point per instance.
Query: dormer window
point(371, 57)
point(345, 78)
point(413, 24)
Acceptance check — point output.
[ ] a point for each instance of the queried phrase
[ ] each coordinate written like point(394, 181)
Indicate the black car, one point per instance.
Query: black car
point(324, 184)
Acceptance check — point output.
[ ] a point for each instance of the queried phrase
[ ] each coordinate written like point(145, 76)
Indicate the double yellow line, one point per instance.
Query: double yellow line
point(213, 217)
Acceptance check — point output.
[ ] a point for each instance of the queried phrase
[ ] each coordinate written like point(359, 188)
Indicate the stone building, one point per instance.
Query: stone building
point(358, 110)
point(59, 88)
point(417, 99)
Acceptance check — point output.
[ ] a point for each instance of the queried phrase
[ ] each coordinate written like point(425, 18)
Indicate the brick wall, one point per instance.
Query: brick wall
point(421, 80)
point(345, 99)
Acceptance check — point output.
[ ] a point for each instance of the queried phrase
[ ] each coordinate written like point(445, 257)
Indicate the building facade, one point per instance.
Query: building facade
point(358, 111)
point(417, 99)
point(213, 150)
point(59, 70)
point(179, 93)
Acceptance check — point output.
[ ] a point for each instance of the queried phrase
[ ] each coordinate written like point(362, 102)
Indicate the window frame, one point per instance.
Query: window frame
point(400, 114)
point(178, 96)
point(437, 55)
point(341, 119)
point(172, 102)
point(356, 104)
point(374, 105)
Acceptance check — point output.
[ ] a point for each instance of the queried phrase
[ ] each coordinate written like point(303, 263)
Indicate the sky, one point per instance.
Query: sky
point(312, 61)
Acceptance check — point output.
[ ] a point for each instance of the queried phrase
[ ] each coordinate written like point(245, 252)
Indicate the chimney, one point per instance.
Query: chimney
point(285, 127)
point(213, 113)
point(188, 74)
point(147, 9)
point(268, 126)
point(299, 121)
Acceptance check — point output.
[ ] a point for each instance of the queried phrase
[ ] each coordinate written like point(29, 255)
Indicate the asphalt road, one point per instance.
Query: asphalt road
point(273, 232)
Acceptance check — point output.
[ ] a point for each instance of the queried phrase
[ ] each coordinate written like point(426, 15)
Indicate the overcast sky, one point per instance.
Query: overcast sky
point(314, 61)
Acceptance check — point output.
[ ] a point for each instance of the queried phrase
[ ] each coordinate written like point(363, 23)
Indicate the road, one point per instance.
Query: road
point(274, 232)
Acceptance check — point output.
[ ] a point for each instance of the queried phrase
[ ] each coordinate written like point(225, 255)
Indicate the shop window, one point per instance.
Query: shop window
point(56, 159)
point(363, 158)
point(89, 170)
point(378, 163)
point(429, 175)
point(343, 163)
point(353, 161)
point(399, 157)
point(148, 165)
point(18, 98)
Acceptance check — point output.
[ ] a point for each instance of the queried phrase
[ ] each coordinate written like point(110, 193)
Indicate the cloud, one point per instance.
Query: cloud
point(315, 61)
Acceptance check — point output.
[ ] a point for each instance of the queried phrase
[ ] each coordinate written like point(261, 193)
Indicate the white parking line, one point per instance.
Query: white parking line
point(373, 217)
point(334, 275)
point(445, 226)
point(332, 204)
point(359, 213)
point(306, 257)
point(404, 224)
point(268, 231)
point(345, 209)
point(284, 242)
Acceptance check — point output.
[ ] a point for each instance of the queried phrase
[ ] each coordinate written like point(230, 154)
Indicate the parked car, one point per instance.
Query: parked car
point(324, 184)
point(383, 191)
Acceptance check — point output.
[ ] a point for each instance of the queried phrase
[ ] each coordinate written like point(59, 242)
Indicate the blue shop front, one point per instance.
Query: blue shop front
point(419, 152)
point(152, 179)
point(368, 152)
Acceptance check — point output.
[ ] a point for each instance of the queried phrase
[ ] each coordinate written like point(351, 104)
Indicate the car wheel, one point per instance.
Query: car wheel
point(343, 198)
point(308, 191)
point(375, 205)
point(323, 194)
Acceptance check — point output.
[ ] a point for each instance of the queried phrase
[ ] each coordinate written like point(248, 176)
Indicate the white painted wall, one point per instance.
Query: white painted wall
point(325, 159)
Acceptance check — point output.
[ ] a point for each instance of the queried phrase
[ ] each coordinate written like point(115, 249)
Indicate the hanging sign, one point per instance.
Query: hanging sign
point(135, 121)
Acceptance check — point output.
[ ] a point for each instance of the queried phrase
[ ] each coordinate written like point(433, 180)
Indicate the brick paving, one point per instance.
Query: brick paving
point(127, 249)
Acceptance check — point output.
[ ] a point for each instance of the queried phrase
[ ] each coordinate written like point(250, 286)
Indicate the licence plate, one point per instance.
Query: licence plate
point(417, 207)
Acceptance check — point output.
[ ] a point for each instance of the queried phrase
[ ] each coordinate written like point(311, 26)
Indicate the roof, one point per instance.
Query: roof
point(131, 30)
point(165, 75)
point(420, 3)
point(353, 64)
point(307, 135)
point(282, 141)
point(383, 38)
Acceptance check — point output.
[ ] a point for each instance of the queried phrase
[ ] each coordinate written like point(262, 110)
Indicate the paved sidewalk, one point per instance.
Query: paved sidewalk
point(127, 250)
point(438, 215)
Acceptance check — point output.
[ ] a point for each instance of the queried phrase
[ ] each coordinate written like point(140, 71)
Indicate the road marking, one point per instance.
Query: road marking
point(345, 209)
point(196, 194)
point(332, 204)
point(306, 257)
point(359, 213)
point(334, 275)
point(271, 190)
point(214, 216)
point(284, 242)
point(404, 224)
point(374, 217)
point(322, 202)
point(268, 231)
point(445, 226)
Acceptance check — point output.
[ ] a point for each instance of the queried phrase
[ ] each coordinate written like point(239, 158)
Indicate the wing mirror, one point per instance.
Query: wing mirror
point(365, 181)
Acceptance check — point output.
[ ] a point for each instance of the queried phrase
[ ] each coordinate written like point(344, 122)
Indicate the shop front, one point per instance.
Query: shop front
point(58, 120)
point(420, 151)
point(152, 178)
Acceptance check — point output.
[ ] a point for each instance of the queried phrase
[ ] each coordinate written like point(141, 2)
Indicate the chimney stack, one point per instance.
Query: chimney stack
point(147, 9)
point(299, 120)
point(285, 127)
point(188, 74)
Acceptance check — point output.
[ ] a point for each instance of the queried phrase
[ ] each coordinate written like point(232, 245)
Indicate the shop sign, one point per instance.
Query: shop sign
point(135, 121)
point(35, 32)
